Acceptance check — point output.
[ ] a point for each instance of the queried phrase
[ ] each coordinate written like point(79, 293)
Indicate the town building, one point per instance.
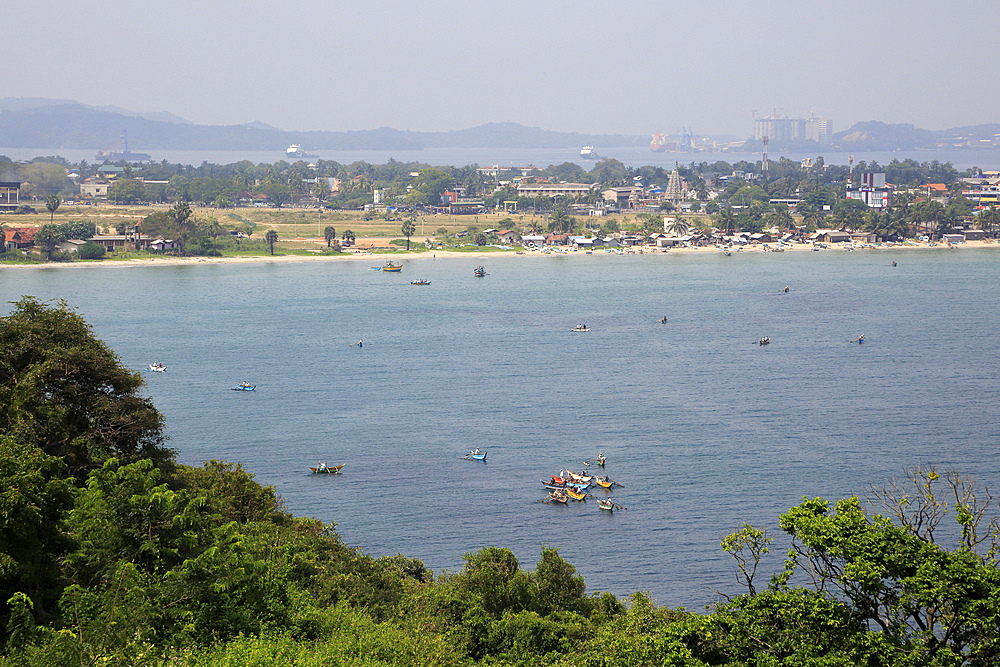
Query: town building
point(782, 128)
point(873, 191)
point(554, 190)
point(10, 195)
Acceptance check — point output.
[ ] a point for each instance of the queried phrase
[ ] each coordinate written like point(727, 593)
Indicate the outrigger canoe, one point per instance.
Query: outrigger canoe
point(576, 495)
point(476, 455)
point(249, 387)
point(324, 469)
point(609, 505)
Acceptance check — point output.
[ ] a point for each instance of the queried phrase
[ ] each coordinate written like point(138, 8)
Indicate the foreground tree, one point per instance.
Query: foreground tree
point(271, 237)
point(329, 233)
point(68, 394)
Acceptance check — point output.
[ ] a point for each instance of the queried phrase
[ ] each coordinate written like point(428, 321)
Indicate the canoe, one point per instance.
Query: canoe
point(394, 268)
point(580, 329)
point(609, 505)
point(576, 495)
point(476, 455)
point(604, 483)
point(556, 496)
point(328, 470)
point(250, 388)
point(420, 282)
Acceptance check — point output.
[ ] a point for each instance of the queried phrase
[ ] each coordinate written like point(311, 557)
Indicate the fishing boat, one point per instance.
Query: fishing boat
point(609, 505)
point(156, 367)
point(576, 495)
point(323, 469)
point(606, 482)
point(560, 483)
point(557, 496)
point(599, 460)
point(420, 282)
point(392, 268)
point(580, 327)
point(576, 477)
point(766, 340)
point(860, 339)
point(244, 386)
point(476, 455)
point(480, 272)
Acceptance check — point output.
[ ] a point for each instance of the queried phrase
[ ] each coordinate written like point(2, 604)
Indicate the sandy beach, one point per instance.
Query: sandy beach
point(378, 257)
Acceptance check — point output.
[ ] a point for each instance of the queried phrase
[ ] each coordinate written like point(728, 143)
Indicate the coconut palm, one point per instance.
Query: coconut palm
point(329, 233)
point(677, 226)
point(271, 237)
point(52, 204)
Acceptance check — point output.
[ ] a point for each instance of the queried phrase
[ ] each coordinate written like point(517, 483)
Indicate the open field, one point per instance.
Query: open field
point(293, 223)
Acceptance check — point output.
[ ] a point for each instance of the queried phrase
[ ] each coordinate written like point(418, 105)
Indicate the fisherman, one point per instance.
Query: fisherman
point(786, 288)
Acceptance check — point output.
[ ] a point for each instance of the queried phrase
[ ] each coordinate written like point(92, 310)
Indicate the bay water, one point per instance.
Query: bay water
point(704, 428)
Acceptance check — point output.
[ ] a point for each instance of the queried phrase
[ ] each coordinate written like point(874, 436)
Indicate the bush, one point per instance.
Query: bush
point(91, 251)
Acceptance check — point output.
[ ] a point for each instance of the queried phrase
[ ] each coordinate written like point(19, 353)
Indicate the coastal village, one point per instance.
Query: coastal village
point(767, 206)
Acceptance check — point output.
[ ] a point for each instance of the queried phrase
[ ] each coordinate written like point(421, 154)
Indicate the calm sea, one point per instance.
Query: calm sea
point(704, 428)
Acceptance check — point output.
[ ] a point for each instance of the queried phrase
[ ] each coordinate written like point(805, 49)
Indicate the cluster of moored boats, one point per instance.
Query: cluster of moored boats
point(569, 485)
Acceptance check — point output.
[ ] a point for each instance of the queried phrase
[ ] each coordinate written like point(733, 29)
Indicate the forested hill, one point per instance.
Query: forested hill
point(73, 125)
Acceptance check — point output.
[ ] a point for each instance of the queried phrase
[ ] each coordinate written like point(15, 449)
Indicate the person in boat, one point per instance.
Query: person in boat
point(786, 288)
point(664, 320)
point(321, 466)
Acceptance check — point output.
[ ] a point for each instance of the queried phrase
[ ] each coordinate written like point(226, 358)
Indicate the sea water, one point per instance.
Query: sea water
point(704, 428)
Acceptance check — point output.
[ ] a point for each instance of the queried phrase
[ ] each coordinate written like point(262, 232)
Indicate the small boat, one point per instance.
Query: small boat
point(376, 268)
point(323, 469)
point(606, 482)
point(859, 340)
point(599, 460)
point(766, 340)
point(580, 327)
point(557, 496)
point(392, 268)
point(420, 282)
point(156, 367)
point(576, 495)
point(476, 455)
point(576, 477)
point(480, 272)
point(244, 386)
point(560, 483)
point(609, 505)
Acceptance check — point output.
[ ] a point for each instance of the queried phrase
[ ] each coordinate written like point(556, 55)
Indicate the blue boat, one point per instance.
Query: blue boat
point(476, 455)
point(244, 386)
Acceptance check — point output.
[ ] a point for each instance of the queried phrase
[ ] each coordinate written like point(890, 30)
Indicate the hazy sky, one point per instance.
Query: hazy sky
point(587, 66)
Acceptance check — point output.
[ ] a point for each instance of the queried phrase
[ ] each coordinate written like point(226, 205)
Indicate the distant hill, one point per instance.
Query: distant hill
point(63, 124)
point(873, 135)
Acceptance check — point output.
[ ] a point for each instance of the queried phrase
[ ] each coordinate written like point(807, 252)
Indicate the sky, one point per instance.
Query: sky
point(582, 66)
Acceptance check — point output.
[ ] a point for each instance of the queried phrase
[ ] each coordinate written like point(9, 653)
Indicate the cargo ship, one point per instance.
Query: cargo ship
point(122, 152)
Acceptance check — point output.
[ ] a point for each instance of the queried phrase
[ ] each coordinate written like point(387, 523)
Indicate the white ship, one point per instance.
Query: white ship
point(588, 153)
point(295, 150)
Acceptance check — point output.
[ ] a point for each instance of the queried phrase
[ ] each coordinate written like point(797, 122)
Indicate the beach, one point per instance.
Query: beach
point(171, 260)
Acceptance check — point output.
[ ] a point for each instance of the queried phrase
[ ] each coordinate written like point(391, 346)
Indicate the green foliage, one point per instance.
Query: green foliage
point(91, 251)
point(67, 393)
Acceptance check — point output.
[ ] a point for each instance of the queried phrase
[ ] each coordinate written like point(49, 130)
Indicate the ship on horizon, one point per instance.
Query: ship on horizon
point(295, 150)
point(121, 152)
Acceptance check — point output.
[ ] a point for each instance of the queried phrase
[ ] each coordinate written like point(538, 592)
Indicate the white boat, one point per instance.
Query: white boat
point(295, 150)
point(588, 153)
point(580, 327)
point(157, 367)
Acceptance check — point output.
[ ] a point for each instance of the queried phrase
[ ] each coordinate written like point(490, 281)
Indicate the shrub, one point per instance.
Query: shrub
point(91, 251)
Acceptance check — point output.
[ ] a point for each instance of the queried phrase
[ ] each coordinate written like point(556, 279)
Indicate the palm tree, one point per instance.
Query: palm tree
point(408, 229)
point(677, 226)
point(271, 237)
point(52, 203)
point(329, 234)
point(348, 237)
point(988, 219)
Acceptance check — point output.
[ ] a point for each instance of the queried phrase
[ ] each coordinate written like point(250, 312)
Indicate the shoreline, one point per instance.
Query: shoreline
point(451, 254)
